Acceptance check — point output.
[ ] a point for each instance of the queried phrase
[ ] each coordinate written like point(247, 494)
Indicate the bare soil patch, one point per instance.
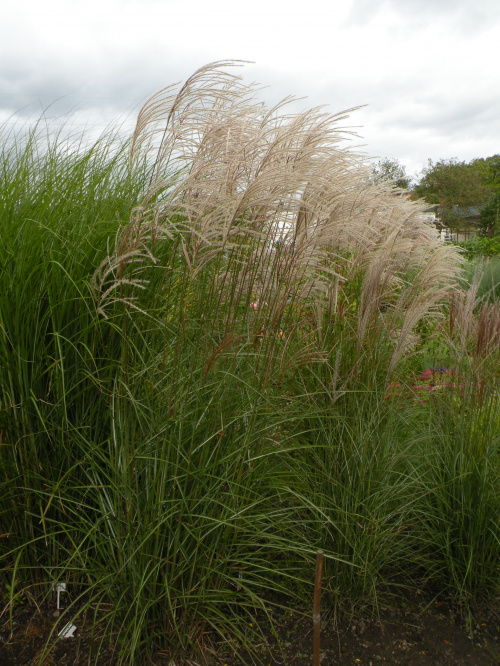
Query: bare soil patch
point(417, 630)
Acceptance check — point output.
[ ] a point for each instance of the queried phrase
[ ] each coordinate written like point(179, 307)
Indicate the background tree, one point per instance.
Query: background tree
point(490, 169)
point(392, 170)
point(490, 216)
point(452, 185)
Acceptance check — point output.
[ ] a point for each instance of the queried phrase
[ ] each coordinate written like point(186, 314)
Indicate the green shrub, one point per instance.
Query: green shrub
point(482, 246)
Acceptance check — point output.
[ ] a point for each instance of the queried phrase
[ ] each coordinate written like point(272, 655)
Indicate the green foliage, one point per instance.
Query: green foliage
point(459, 498)
point(490, 168)
point(355, 475)
point(490, 216)
point(392, 171)
point(453, 184)
point(489, 286)
point(481, 247)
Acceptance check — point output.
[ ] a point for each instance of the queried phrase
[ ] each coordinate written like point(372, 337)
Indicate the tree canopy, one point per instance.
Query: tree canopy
point(490, 215)
point(455, 185)
point(392, 170)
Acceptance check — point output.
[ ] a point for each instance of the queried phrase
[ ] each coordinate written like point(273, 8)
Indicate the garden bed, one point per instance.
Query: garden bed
point(416, 629)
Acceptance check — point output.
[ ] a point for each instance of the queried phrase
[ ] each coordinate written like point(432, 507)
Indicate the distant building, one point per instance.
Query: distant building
point(458, 224)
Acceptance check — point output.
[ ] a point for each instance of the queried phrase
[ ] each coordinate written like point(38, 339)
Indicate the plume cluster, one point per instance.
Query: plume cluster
point(280, 194)
point(474, 327)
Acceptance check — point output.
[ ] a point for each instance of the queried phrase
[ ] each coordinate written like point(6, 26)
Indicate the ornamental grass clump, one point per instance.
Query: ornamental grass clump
point(276, 211)
point(458, 495)
point(473, 334)
point(181, 315)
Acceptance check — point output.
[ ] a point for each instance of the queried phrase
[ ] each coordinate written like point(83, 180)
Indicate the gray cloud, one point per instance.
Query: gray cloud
point(464, 15)
point(424, 78)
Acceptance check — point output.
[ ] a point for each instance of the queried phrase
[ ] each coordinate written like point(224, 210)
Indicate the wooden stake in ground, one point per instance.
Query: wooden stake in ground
point(316, 611)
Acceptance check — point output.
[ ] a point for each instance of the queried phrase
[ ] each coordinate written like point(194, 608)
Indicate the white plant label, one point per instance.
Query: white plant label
point(68, 631)
point(59, 587)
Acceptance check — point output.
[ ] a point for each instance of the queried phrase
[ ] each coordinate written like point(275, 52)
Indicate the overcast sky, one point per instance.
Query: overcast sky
point(428, 71)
